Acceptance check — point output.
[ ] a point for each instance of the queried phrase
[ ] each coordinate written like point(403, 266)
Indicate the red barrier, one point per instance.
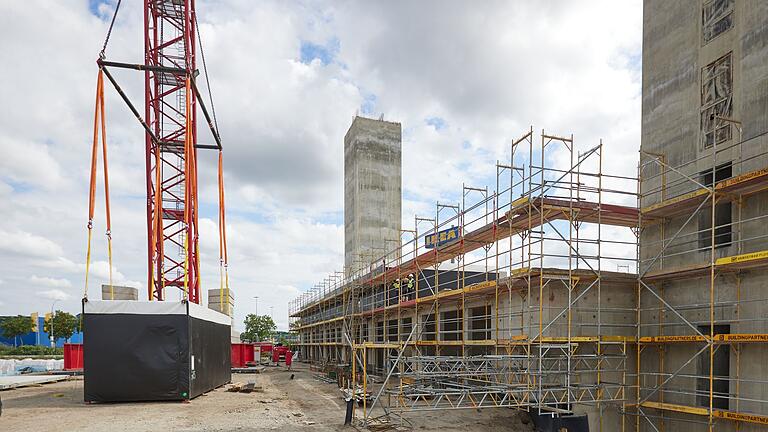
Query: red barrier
point(73, 356)
point(288, 358)
point(265, 346)
point(242, 354)
point(277, 352)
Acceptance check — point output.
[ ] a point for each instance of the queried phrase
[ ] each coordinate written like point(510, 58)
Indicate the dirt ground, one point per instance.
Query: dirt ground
point(303, 403)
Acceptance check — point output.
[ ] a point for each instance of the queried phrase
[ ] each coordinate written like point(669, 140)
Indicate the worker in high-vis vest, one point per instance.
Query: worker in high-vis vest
point(410, 290)
point(396, 288)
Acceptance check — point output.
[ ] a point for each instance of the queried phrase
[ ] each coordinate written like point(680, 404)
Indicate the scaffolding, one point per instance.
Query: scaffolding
point(701, 327)
point(504, 299)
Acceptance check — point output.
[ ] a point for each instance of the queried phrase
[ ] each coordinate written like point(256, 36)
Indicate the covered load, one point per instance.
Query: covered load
point(153, 351)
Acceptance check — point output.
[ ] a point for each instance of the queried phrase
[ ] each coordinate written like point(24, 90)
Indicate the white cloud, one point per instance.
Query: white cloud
point(50, 282)
point(54, 294)
point(568, 67)
point(27, 244)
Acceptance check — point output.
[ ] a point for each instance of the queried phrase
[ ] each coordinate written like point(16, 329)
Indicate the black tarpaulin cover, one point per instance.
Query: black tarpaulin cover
point(152, 351)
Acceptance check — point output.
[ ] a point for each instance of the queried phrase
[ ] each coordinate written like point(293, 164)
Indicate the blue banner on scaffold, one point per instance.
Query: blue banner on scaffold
point(441, 238)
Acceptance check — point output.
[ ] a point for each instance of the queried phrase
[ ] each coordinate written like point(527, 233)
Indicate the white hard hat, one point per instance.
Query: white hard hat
point(410, 275)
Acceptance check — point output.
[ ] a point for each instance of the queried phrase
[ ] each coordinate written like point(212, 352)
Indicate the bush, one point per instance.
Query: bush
point(30, 350)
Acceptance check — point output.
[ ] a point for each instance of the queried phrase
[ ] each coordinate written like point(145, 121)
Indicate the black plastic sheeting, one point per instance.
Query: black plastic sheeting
point(152, 357)
point(569, 423)
point(449, 279)
point(211, 351)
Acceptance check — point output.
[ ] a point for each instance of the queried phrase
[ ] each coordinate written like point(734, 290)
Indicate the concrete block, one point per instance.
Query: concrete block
point(117, 292)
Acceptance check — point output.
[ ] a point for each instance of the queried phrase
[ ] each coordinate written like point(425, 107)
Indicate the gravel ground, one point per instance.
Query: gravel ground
point(303, 403)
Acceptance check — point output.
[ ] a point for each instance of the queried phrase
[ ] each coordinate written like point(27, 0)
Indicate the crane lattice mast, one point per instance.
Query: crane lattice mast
point(170, 112)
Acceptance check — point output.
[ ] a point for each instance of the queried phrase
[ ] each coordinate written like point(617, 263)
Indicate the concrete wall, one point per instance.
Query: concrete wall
point(372, 190)
point(676, 55)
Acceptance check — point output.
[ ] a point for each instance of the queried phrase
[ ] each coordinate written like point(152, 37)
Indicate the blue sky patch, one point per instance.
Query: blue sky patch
point(18, 187)
point(325, 53)
point(93, 7)
point(368, 105)
point(436, 122)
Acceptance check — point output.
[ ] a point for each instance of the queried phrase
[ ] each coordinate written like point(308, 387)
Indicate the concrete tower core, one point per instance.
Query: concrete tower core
point(372, 190)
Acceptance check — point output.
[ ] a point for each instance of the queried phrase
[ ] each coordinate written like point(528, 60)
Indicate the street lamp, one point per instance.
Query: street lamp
point(53, 341)
point(257, 304)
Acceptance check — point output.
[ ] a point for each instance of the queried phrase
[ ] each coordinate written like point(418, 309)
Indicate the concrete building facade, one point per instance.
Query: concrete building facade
point(372, 190)
point(702, 321)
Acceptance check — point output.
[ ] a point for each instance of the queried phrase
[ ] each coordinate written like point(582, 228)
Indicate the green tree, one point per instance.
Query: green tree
point(13, 327)
point(64, 325)
point(258, 328)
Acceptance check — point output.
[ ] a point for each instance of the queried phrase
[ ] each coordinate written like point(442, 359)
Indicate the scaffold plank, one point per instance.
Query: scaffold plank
point(721, 414)
point(743, 184)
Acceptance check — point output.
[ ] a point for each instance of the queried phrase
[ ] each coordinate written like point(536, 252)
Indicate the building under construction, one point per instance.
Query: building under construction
point(524, 297)
point(566, 291)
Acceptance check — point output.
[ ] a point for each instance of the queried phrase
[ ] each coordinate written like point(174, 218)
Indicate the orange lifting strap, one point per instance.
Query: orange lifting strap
point(223, 260)
point(187, 189)
point(99, 120)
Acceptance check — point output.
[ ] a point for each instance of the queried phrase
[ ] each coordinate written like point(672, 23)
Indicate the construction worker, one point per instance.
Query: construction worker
point(396, 288)
point(409, 292)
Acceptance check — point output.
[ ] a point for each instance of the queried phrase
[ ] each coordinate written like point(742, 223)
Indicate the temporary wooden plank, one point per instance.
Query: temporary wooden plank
point(743, 184)
point(675, 407)
point(753, 257)
point(719, 338)
point(675, 205)
point(744, 417)
point(735, 262)
point(721, 414)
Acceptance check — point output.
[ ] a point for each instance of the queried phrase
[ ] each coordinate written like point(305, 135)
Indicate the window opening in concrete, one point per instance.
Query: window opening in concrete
point(723, 221)
point(480, 323)
point(716, 100)
point(722, 172)
point(380, 331)
point(721, 372)
point(429, 327)
point(451, 325)
point(379, 360)
point(392, 330)
point(716, 19)
point(406, 327)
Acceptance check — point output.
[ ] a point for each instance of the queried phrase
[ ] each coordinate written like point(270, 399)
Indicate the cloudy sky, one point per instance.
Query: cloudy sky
point(287, 79)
